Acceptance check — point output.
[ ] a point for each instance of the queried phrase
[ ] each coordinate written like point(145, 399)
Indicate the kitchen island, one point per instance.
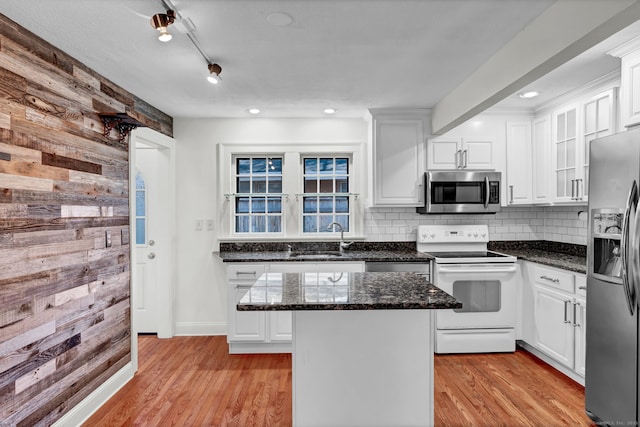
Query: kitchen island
point(362, 344)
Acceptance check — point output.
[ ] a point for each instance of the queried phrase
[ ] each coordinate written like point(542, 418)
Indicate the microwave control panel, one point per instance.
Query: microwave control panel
point(494, 192)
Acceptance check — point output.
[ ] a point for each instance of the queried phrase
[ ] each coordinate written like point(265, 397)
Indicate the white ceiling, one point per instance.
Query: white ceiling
point(347, 54)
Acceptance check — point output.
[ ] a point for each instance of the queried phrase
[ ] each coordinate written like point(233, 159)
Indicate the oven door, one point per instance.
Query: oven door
point(487, 293)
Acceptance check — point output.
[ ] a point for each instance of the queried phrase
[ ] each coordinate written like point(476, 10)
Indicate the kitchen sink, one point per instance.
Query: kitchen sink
point(315, 254)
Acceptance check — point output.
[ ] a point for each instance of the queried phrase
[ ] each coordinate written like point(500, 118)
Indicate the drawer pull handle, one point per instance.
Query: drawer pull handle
point(582, 288)
point(551, 279)
point(248, 273)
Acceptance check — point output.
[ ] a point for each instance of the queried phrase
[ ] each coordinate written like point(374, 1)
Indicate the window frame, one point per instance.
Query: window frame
point(349, 213)
point(292, 155)
point(234, 171)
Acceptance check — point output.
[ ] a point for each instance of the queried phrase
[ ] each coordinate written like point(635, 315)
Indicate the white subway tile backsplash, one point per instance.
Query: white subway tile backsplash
point(560, 224)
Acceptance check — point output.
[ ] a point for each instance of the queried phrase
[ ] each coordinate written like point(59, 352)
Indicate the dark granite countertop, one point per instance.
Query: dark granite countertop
point(554, 254)
point(348, 255)
point(344, 291)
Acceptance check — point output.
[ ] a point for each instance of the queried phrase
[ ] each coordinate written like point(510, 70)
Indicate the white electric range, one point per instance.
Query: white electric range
point(484, 281)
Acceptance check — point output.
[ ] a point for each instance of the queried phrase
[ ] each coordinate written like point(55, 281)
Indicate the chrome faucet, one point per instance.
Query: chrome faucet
point(343, 245)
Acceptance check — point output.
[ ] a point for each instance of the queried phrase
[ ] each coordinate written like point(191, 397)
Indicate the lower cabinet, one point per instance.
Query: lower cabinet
point(554, 313)
point(266, 331)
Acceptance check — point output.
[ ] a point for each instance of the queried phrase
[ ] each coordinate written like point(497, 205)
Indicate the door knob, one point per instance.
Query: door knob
point(151, 255)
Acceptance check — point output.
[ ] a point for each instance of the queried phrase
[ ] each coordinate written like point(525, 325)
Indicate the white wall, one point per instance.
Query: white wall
point(201, 289)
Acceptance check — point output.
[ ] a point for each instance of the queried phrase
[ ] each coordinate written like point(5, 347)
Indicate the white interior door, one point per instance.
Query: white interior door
point(152, 234)
point(147, 208)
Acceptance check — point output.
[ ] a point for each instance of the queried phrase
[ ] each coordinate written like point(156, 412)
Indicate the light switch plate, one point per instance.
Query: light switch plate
point(198, 224)
point(209, 224)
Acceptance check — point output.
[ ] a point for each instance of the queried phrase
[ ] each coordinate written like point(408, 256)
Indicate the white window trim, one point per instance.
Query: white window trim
point(292, 154)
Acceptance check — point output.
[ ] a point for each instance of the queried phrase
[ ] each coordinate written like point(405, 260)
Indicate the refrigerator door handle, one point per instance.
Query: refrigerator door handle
point(628, 280)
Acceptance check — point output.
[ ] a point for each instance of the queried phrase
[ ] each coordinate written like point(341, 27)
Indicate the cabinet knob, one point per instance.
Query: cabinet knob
point(151, 255)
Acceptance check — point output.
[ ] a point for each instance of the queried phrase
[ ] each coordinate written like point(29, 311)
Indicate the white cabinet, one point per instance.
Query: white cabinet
point(267, 331)
point(399, 157)
point(461, 153)
point(553, 314)
point(573, 128)
point(244, 326)
point(519, 174)
point(565, 149)
point(629, 82)
point(541, 161)
point(555, 334)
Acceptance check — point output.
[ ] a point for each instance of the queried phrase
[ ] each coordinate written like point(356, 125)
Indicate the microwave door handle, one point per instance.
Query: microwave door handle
point(487, 189)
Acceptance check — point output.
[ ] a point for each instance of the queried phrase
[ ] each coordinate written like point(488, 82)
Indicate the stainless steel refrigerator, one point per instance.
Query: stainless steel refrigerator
point(611, 379)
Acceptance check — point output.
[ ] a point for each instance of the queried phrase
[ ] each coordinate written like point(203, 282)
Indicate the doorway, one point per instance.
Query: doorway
point(152, 224)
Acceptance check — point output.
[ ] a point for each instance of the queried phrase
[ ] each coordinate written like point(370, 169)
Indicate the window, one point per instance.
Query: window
point(326, 194)
point(141, 210)
point(258, 201)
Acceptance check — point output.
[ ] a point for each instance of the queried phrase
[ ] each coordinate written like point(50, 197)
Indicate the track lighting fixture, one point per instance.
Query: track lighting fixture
point(214, 73)
point(160, 21)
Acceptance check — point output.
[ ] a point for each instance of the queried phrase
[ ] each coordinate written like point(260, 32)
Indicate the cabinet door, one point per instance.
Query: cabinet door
point(477, 154)
point(553, 324)
point(244, 325)
point(630, 89)
point(444, 154)
point(398, 162)
point(598, 121)
point(541, 166)
point(580, 334)
point(519, 174)
point(280, 326)
point(565, 147)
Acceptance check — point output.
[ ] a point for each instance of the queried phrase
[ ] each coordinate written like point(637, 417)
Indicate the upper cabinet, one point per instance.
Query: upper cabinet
point(461, 153)
point(399, 156)
point(573, 127)
point(629, 82)
point(519, 179)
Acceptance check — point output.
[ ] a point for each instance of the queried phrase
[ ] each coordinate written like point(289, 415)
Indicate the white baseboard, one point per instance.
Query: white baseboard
point(200, 328)
point(83, 410)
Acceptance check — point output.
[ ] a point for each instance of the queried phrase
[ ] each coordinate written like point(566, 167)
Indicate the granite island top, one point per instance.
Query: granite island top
point(344, 291)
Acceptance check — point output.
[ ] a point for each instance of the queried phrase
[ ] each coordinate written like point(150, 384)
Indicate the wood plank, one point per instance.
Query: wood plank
point(34, 170)
point(16, 182)
point(69, 163)
point(21, 154)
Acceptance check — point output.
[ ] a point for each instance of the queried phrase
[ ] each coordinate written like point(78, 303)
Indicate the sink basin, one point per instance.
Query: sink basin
point(315, 254)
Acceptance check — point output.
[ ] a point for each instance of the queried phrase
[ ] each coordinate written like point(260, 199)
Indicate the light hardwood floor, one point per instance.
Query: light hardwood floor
point(192, 381)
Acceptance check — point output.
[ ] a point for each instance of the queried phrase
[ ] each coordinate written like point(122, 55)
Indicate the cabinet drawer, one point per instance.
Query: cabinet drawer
point(554, 278)
point(245, 271)
point(581, 285)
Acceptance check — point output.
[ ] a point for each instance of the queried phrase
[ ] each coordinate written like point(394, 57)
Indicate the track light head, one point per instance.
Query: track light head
point(160, 21)
point(214, 73)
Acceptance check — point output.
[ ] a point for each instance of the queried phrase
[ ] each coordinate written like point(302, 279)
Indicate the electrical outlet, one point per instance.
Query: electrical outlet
point(198, 224)
point(210, 224)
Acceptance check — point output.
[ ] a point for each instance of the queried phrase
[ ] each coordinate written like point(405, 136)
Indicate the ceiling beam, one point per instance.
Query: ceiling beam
point(562, 32)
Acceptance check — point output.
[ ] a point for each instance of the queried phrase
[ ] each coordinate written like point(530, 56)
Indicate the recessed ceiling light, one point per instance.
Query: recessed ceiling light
point(254, 110)
point(529, 94)
point(279, 19)
point(329, 110)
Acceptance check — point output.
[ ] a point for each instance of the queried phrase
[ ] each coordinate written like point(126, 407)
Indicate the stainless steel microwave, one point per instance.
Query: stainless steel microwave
point(468, 192)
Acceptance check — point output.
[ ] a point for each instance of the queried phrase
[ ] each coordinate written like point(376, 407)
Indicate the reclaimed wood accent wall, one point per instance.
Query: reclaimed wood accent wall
point(65, 323)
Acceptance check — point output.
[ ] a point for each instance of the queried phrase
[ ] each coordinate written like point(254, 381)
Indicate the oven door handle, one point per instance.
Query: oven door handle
point(492, 269)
